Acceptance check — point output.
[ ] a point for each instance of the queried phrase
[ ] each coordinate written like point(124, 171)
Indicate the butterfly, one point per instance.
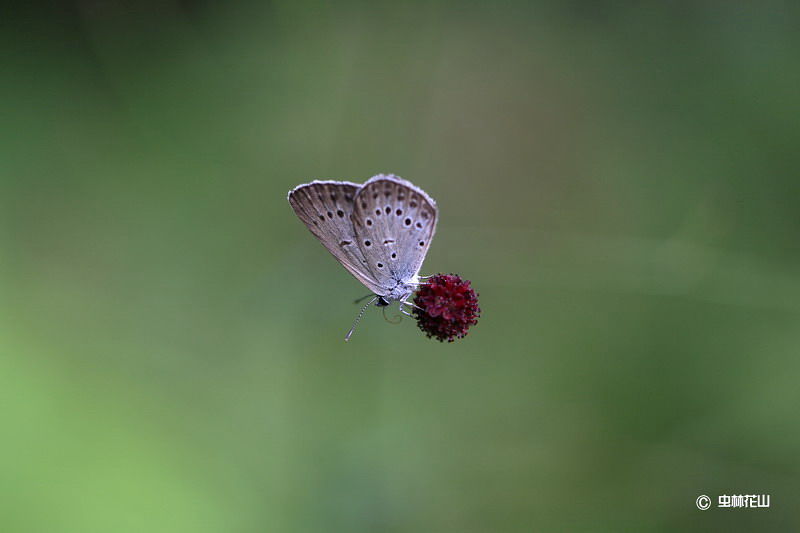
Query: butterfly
point(380, 231)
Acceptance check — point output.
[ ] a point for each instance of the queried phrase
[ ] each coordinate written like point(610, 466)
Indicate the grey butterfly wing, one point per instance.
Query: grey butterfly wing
point(326, 207)
point(394, 222)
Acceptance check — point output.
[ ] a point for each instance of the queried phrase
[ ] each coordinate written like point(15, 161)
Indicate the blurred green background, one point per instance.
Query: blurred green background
point(619, 181)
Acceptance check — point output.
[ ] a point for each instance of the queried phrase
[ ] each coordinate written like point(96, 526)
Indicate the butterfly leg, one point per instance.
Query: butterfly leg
point(406, 302)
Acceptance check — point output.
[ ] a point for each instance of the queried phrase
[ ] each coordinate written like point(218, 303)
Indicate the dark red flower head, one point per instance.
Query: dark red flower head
point(446, 307)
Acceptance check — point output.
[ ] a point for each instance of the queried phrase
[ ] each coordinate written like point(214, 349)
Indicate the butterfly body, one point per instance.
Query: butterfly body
point(380, 231)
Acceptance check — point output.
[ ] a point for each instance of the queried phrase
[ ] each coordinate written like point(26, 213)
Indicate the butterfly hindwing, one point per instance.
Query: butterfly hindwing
point(394, 222)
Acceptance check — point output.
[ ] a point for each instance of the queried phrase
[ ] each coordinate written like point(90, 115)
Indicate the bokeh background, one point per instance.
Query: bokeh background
point(619, 181)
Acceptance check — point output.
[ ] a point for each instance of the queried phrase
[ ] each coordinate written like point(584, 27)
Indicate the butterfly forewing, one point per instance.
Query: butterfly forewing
point(325, 207)
point(394, 222)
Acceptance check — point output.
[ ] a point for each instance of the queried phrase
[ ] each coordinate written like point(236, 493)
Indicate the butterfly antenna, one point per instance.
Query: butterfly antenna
point(347, 338)
point(362, 298)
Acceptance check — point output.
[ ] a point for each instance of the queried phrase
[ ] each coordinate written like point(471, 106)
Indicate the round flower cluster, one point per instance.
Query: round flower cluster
point(446, 307)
